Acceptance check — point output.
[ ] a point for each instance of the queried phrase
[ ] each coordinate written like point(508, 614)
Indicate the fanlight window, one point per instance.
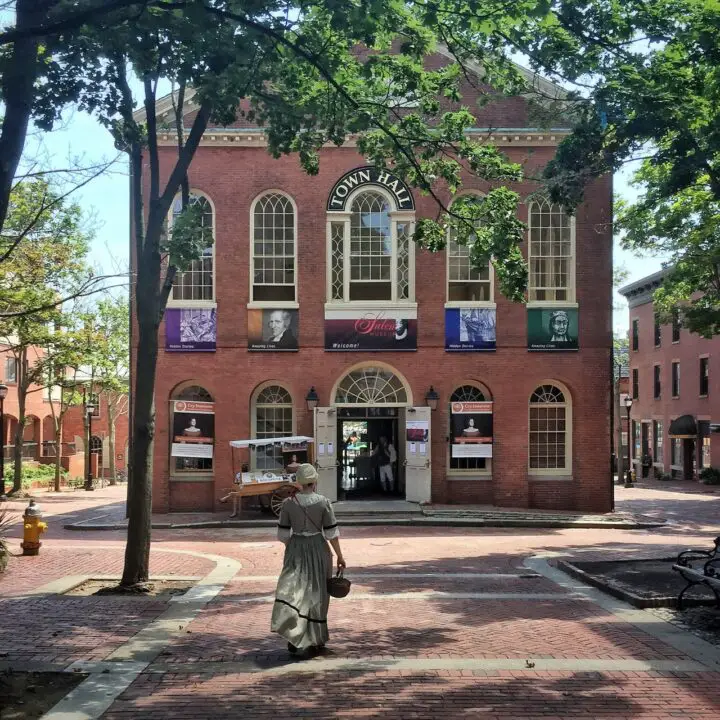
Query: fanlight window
point(467, 393)
point(194, 392)
point(371, 386)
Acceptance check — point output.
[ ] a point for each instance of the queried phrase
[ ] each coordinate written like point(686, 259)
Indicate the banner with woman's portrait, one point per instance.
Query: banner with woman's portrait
point(471, 427)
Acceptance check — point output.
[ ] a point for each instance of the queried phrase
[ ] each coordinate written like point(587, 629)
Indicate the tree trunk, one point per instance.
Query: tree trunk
point(137, 550)
point(58, 452)
point(618, 434)
point(19, 439)
point(111, 444)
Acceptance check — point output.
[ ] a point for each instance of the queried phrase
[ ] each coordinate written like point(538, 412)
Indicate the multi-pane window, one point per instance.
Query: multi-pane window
point(657, 441)
point(186, 464)
point(549, 426)
point(465, 283)
point(656, 382)
point(635, 384)
point(273, 419)
point(273, 253)
point(550, 253)
point(197, 282)
point(657, 332)
point(371, 253)
point(635, 334)
point(704, 376)
point(467, 393)
point(676, 379)
point(675, 326)
point(10, 370)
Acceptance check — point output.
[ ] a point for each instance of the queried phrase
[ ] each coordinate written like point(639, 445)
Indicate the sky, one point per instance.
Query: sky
point(106, 200)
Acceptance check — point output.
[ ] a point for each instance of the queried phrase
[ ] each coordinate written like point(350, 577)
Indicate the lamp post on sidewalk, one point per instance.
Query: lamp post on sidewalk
point(3, 395)
point(628, 477)
point(89, 410)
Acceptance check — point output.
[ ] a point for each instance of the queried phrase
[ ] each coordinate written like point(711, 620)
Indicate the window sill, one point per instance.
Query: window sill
point(675, 397)
point(192, 304)
point(190, 477)
point(551, 304)
point(371, 305)
point(473, 476)
point(479, 304)
point(704, 397)
point(273, 305)
point(550, 475)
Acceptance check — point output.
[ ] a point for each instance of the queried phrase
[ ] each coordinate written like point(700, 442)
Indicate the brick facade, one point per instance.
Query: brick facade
point(233, 169)
point(648, 410)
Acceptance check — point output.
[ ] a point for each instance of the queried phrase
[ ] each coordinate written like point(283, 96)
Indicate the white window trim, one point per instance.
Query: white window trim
point(571, 289)
point(560, 473)
point(261, 304)
point(198, 304)
point(253, 411)
point(457, 474)
point(396, 216)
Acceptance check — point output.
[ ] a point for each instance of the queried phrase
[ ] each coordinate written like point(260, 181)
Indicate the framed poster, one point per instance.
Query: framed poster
point(190, 330)
point(471, 428)
point(273, 329)
point(193, 429)
point(552, 328)
point(350, 330)
point(470, 329)
point(417, 430)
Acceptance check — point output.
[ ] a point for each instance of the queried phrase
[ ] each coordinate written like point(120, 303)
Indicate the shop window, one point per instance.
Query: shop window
point(676, 379)
point(197, 283)
point(657, 441)
point(676, 326)
point(551, 253)
point(272, 418)
point(371, 252)
point(704, 376)
point(465, 283)
point(656, 382)
point(550, 430)
point(657, 332)
point(468, 393)
point(274, 236)
point(186, 423)
point(10, 370)
point(635, 384)
point(635, 334)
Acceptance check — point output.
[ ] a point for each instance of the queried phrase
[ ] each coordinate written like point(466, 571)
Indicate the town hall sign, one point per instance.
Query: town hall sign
point(369, 176)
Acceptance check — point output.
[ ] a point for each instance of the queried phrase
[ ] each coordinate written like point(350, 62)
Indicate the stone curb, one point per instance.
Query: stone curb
point(388, 521)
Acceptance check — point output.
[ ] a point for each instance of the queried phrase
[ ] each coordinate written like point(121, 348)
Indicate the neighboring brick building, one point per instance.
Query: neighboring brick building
point(324, 265)
point(39, 436)
point(675, 385)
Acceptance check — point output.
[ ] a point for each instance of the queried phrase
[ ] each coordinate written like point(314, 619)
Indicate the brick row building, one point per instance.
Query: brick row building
point(312, 312)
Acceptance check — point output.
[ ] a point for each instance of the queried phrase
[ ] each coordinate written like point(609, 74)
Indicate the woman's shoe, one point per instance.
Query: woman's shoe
point(292, 649)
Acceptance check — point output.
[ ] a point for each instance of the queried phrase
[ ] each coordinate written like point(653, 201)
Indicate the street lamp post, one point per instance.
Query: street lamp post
point(628, 476)
point(3, 395)
point(89, 410)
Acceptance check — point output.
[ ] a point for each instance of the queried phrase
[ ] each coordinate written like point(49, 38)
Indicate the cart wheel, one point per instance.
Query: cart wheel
point(277, 499)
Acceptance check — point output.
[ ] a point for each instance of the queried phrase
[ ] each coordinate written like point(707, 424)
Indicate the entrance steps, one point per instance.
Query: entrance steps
point(352, 508)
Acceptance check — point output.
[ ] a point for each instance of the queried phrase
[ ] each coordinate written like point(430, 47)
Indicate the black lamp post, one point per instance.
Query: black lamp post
point(3, 395)
point(628, 476)
point(89, 410)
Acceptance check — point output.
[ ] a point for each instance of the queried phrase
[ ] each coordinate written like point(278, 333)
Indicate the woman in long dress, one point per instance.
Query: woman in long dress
point(307, 524)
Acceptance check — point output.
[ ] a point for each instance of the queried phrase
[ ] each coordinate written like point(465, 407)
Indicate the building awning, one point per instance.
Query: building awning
point(683, 427)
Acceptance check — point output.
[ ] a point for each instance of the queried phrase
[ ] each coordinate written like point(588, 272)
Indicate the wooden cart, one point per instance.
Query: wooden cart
point(271, 488)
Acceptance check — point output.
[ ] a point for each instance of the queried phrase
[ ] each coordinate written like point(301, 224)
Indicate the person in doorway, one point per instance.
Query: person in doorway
point(307, 524)
point(386, 457)
point(352, 439)
point(280, 333)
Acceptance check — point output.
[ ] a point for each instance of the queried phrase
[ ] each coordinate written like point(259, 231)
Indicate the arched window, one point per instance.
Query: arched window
point(550, 430)
point(96, 444)
point(551, 253)
point(197, 282)
point(196, 424)
point(273, 223)
point(468, 393)
point(371, 385)
point(371, 256)
point(466, 284)
point(272, 418)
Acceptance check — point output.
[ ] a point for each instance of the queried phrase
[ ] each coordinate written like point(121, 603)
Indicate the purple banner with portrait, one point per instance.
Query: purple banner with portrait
point(349, 331)
point(190, 330)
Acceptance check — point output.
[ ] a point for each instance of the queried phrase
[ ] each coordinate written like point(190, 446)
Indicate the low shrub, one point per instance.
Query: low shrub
point(710, 476)
point(34, 475)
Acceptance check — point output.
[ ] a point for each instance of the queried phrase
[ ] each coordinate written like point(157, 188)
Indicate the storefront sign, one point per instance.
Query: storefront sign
point(275, 329)
point(552, 329)
point(193, 429)
point(470, 329)
point(471, 426)
point(350, 331)
point(190, 330)
point(369, 176)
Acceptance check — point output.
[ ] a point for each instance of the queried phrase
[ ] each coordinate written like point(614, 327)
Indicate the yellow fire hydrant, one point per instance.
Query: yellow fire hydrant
point(33, 527)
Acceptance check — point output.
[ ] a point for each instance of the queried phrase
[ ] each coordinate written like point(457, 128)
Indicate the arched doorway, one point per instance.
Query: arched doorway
point(96, 454)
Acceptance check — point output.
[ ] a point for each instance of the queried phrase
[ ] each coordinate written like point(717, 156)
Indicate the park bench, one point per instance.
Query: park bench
point(700, 567)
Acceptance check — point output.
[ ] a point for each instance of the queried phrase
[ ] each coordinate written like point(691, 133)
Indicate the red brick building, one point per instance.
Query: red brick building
point(675, 386)
point(311, 285)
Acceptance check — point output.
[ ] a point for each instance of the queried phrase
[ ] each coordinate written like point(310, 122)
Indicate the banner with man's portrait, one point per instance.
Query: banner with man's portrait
point(193, 429)
point(552, 328)
point(273, 330)
point(470, 329)
point(471, 427)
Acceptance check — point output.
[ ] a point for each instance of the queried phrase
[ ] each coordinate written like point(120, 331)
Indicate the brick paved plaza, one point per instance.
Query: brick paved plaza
point(441, 623)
